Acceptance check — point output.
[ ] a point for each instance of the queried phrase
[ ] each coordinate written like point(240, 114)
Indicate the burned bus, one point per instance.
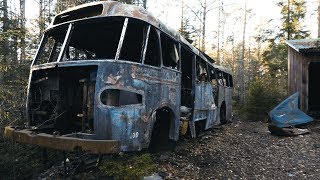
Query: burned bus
point(109, 77)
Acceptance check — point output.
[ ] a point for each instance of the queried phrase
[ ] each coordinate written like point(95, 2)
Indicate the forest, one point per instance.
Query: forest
point(228, 31)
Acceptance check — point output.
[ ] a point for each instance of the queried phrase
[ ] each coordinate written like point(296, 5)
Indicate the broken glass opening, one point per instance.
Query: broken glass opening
point(153, 49)
point(94, 40)
point(133, 41)
point(116, 97)
point(213, 77)
point(186, 79)
point(99, 39)
point(51, 45)
point(202, 74)
point(170, 54)
point(220, 78)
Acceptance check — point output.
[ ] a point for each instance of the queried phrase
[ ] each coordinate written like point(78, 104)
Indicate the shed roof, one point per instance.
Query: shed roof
point(305, 45)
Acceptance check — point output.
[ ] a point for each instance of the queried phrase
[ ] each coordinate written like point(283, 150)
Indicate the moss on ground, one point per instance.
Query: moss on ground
point(128, 166)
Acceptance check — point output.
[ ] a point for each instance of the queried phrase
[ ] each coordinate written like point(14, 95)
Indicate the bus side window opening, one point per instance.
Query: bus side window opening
point(202, 74)
point(170, 54)
point(133, 41)
point(153, 49)
point(51, 45)
point(186, 79)
point(230, 80)
point(213, 77)
point(225, 79)
point(220, 78)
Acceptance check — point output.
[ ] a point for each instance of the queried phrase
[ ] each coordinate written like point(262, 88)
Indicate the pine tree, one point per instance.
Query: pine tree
point(293, 12)
point(275, 57)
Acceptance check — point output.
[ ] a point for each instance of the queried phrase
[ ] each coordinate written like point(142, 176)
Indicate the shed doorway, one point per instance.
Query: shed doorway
point(314, 87)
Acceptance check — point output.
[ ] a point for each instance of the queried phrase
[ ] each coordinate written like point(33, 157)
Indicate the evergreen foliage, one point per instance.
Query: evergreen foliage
point(275, 56)
point(262, 96)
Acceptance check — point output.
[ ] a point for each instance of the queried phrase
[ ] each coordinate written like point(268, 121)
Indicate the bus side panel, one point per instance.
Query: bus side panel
point(221, 98)
point(131, 124)
point(171, 96)
point(127, 123)
point(161, 90)
point(228, 98)
point(204, 108)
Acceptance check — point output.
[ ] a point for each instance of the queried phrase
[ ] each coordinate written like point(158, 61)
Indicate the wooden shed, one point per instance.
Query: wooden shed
point(304, 73)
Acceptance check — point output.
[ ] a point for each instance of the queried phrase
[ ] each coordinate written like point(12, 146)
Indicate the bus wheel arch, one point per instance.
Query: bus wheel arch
point(223, 113)
point(163, 124)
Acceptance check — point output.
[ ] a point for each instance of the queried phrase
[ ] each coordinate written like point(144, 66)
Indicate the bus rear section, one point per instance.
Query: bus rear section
point(206, 93)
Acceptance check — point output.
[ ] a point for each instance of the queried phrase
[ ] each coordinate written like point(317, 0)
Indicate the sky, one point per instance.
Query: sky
point(169, 12)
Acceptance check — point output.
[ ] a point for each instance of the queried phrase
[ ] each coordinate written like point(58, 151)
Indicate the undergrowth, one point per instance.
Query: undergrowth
point(128, 166)
point(263, 95)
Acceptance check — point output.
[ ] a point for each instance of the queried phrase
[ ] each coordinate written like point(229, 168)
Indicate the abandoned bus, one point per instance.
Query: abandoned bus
point(109, 77)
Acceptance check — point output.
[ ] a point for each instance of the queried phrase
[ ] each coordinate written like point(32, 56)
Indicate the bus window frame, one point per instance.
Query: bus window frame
point(145, 45)
point(177, 45)
point(220, 80)
point(201, 61)
point(145, 48)
point(230, 81)
point(120, 43)
point(213, 75)
point(35, 57)
point(224, 79)
point(62, 49)
point(65, 42)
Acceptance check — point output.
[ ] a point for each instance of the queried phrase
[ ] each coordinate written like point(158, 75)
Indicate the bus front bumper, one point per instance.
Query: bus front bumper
point(64, 142)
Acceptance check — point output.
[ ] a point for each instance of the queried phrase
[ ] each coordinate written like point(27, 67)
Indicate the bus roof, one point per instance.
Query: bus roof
point(221, 68)
point(116, 9)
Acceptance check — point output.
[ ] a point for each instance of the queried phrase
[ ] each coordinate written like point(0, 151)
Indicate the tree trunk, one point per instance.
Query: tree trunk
point(182, 13)
point(203, 46)
point(145, 4)
point(218, 48)
point(233, 53)
point(241, 67)
point(23, 30)
point(288, 21)
point(41, 18)
point(5, 43)
point(318, 18)
point(5, 28)
point(222, 26)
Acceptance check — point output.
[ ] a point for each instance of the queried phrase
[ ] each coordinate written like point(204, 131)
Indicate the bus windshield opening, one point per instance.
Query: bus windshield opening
point(94, 40)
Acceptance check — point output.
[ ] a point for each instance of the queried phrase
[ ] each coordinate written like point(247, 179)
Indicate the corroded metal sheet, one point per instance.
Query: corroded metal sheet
point(204, 107)
point(287, 113)
point(132, 124)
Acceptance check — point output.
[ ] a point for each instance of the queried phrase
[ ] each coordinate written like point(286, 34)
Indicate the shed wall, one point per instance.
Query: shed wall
point(296, 77)
point(298, 72)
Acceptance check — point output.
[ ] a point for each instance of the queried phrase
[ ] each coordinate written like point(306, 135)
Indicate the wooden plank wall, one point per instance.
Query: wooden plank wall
point(296, 76)
point(298, 66)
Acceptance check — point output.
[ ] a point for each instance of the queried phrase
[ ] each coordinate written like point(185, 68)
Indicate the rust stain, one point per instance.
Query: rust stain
point(113, 79)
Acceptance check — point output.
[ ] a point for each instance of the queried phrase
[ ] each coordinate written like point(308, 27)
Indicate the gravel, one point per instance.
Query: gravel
point(243, 150)
point(239, 150)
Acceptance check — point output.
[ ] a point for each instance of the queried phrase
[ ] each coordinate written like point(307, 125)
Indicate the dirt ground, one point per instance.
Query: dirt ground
point(238, 150)
point(244, 150)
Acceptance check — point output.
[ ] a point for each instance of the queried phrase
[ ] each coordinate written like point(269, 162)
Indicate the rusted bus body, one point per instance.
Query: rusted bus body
point(303, 68)
point(113, 76)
